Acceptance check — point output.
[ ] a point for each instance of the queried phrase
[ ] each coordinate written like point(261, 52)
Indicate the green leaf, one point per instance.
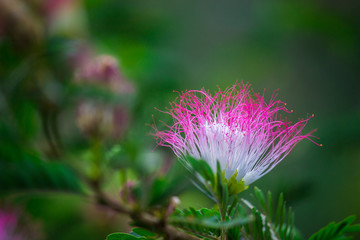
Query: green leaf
point(279, 209)
point(157, 191)
point(233, 206)
point(25, 115)
point(143, 232)
point(211, 222)
point(29, 172)
point(353, 228)
point(269, 205)
point(260, 196)
point(202, 167)
point(206, 222)
point(337, 230)
point(136, 233)
point(117, 158)
point(199, 222)
point(122, 236)
point(266, 225)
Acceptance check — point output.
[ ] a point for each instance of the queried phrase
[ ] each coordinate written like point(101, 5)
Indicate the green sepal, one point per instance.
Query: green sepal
point(235, 187)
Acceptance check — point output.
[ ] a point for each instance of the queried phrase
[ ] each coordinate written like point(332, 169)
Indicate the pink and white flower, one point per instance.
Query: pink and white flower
point(8, 223)
point(236, 127)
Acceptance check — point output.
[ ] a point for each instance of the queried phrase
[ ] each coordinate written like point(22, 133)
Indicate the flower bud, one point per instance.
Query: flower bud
point(97, 119)
point(104, 71)
point(173, 203)
point(100, 120)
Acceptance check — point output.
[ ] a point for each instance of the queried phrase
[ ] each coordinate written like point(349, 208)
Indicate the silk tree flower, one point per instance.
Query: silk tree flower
point(14, 228)
point(8, 223)
point(236, 127)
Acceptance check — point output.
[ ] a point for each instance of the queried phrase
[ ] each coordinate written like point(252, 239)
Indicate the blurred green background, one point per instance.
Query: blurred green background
point(309, 50)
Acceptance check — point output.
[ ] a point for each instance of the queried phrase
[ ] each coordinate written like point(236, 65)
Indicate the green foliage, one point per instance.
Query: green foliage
point(337, 231)
point(156, 191)
point(122, 236)
point(136, 233)
point(202, 168)
point(268, 221)
point(160, 49)
point(240, 219)
point(274, 222)
point(162, 189)
point(216, 183)
point(143, 233)
point(28, 172)
point(205, 222)
point(118, 157)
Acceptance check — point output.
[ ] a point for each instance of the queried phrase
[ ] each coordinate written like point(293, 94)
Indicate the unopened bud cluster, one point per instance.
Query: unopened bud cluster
point(100, 119)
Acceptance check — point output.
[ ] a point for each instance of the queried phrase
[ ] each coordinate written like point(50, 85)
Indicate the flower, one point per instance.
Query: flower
point(8, 223)
point(16, 227)
point(236, 127)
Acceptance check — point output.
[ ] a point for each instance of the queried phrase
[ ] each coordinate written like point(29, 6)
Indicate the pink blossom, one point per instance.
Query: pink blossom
point(16, 225)
point(236, 127)
point(8, 224)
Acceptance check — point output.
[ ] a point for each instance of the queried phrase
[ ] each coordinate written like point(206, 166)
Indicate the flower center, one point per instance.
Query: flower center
point(223, 141)
point(221, 131)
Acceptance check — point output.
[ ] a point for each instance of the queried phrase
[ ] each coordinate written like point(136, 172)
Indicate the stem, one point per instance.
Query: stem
point(123, 177)
point(47, 132)
point(223, 235)
point(96, 161)
point(223, 218)
point(142, 219)
point(55, 130)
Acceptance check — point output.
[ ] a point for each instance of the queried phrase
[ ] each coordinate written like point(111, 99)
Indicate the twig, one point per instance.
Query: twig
point(141, 219)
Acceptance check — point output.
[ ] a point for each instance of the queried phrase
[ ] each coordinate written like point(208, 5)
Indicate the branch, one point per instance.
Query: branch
point(141, 219)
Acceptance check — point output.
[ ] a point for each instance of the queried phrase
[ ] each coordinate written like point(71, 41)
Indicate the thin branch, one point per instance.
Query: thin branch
point(141, 219)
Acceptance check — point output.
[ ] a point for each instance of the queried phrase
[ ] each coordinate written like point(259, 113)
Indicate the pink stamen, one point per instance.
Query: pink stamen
point(235, 127)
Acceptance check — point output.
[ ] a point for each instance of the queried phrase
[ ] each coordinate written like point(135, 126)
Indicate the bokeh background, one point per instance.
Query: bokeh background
point(309, 50)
